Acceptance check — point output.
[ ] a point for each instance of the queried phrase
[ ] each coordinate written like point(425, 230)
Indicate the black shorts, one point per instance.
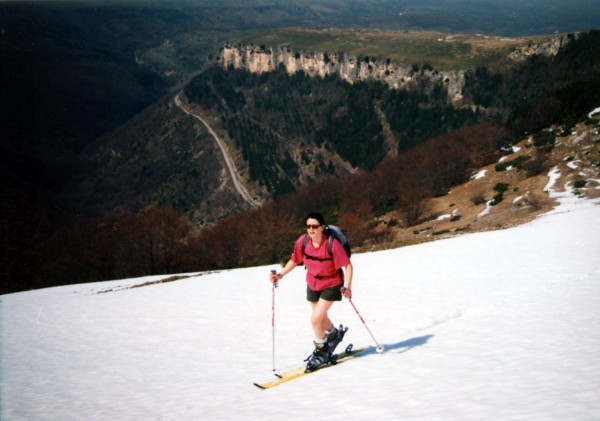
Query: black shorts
point(329, 294)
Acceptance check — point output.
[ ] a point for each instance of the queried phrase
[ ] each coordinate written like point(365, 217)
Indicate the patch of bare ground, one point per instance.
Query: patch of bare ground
point(467, 208)
point(168, 278)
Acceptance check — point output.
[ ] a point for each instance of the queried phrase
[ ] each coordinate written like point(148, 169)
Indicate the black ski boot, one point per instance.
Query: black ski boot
point(320, 356)
point(336, 336)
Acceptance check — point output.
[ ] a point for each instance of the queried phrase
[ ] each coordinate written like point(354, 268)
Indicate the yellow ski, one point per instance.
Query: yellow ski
point(294, 373)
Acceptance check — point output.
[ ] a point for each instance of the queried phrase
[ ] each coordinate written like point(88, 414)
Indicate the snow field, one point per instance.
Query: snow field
point(499, 325)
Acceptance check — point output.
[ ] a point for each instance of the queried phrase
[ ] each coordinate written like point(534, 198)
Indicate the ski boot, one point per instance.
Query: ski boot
point(336, 336)
point(320, 356)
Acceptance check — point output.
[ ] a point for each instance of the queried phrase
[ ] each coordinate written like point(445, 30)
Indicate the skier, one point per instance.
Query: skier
point(328, 278)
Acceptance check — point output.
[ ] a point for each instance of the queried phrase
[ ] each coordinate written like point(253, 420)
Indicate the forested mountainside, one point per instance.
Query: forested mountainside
point(293, 127)
point(379, 204)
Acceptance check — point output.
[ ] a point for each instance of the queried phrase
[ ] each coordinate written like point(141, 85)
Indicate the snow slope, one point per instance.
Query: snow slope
point(500, 325)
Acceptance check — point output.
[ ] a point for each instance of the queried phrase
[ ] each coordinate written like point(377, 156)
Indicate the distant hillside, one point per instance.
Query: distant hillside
point(451, 185)
point(74, 70)
point(90, 138)
point(297, 120)
point(397, 200)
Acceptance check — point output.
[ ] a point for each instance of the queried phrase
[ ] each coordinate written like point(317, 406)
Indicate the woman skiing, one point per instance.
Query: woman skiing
point(329, 276)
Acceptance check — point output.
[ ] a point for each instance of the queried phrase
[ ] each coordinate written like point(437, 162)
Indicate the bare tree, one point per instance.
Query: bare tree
point(414, 193)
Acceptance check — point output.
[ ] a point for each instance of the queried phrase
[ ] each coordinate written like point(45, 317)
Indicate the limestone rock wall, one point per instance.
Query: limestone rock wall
point(260, 59)
point(546, 48)
point(350, 68)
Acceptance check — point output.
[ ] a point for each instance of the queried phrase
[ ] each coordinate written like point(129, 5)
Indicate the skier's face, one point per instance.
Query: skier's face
point(314, 228)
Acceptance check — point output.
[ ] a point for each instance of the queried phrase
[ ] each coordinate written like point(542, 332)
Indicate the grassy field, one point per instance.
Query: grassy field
point(441, 50)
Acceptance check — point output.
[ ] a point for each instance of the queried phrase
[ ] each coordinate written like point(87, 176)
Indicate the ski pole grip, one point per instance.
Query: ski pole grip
point(275, 284)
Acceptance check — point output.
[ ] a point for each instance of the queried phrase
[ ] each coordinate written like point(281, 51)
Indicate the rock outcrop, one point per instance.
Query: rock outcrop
point(544, 48)
point(260, 59)
point(351, 68)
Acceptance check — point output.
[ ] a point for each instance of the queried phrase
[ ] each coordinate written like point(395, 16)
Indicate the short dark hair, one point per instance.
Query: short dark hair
point(315, 215)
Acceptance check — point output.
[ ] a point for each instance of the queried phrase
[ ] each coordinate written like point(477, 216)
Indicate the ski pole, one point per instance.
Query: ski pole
point(274, 285)
point(379, 347)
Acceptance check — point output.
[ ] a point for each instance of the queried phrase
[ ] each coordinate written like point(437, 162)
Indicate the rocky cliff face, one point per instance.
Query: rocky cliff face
point(349, 68)
point(546, 48)
point(352, 68)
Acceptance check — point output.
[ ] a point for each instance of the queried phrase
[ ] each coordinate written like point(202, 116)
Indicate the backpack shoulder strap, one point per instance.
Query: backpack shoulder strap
point(330, 245)
point(305, 241)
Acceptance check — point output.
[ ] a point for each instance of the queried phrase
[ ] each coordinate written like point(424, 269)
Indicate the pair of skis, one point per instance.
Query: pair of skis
point(348, 354)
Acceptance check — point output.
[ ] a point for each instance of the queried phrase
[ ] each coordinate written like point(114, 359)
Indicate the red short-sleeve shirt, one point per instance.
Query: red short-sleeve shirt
point(325, 273)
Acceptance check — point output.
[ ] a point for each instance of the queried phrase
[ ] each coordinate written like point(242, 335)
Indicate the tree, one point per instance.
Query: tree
point(158, 232)
point(414, 190)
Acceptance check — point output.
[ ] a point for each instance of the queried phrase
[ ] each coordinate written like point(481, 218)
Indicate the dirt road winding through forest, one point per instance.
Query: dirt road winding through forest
point(237, 182)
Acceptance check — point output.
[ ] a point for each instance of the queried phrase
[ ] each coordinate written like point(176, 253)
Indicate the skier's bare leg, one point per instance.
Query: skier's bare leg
point(320, 320)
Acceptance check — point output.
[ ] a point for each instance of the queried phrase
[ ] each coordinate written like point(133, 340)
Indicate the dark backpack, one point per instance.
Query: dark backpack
point(333, 232)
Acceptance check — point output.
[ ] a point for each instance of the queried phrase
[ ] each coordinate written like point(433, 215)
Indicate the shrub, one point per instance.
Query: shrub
point(382, 237)
point(544, 140)
point(537, 165)
point(478, 197)
point(534, 202)
point(497, 199)
point(501, 187)
point(478, 200)
point(591, 121)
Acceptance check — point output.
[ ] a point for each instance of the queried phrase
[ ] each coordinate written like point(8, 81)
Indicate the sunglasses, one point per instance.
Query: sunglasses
point(314, 227)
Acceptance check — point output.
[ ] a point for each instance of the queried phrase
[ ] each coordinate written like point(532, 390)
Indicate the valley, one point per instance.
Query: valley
point(96, 148)
point(233, 173)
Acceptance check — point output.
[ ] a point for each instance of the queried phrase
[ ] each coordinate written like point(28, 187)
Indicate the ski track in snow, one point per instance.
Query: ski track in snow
point(497, 325)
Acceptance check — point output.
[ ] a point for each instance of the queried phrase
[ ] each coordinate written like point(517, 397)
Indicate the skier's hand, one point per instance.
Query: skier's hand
point(274, 277)
point(346, 292)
